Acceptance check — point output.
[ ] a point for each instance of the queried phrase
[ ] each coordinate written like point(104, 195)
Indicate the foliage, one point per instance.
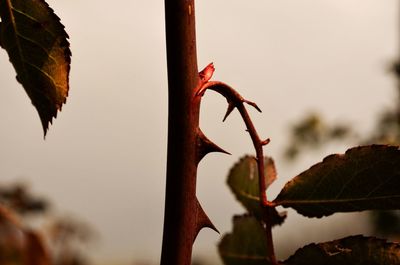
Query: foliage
point(312, 132)
point(243, 181)
point(350, 250)
point(364, 178)
point(246, 245)
point(38, 48)
point(54, 243)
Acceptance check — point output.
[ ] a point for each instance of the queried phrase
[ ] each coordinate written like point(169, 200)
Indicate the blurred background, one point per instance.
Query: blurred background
point(102, 166)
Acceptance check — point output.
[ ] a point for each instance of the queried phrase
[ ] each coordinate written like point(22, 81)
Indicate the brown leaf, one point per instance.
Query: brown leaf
point(37, 46)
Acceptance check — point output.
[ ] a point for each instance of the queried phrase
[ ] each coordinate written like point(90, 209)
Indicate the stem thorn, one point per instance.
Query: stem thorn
point(266, 141)
point(252, 104)
point(231, 107)
point(205, 146)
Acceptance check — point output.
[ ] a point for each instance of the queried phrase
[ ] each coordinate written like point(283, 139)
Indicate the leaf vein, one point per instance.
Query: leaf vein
point(44, 73)
point(33, 19)
point(300, 202)
point(38, 44)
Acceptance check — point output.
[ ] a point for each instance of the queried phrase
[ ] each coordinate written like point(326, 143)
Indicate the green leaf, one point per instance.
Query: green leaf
point(364, 178)
point(348, 251)
point(246, 245)
point(37, 46)
point(243, 182)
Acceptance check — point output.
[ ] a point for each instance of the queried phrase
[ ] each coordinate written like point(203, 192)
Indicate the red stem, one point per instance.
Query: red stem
point(236, 100)
point(181, 206)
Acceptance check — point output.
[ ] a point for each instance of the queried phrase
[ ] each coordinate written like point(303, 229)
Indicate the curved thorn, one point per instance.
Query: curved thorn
point(266, 141)
point(231, 107)
point(202, 220)
point(252, 104)
point(205, 146)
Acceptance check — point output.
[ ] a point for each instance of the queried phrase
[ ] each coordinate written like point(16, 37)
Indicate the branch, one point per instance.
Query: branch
point(235, 100)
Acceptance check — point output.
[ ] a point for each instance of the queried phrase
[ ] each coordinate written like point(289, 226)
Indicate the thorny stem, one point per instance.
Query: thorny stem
point(182, 214)
point(235, 100)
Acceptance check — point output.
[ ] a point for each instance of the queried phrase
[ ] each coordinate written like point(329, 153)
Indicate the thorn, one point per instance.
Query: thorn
point(255, 159)
point(205, 146)
point(202, 220)
point(253, 104)
point(207, 72)
point(266, 141)
point(231, 107)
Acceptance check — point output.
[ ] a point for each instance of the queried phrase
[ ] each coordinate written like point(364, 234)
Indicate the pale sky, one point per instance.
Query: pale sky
point(104, 158)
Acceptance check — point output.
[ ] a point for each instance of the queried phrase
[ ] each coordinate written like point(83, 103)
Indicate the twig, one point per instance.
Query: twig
point(235, 100)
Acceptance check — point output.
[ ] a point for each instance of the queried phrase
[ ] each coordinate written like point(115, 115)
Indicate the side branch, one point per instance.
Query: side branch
point(235, 100)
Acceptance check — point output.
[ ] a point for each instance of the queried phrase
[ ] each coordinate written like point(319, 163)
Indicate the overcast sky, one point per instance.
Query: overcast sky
point(104, 158)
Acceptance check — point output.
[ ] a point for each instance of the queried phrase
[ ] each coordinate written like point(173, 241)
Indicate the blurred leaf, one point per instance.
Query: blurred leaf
point(364, 178)
point(19, 198)
point(292, 151)
point(243, 182)
point(246, 245)
point(35, 251)
point(12, 241)
point(348, 251)
point(38, 48)
point(18, 245)
point(67, 229)
point(387, 129)
point(310, 129)
point(386, 223)
point(395, 68)
point(338, 131)
point(312, 132)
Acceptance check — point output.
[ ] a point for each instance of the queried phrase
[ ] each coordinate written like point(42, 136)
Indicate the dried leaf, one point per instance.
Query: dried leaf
point(37, 46)
point(348, 251)
point(364, 178)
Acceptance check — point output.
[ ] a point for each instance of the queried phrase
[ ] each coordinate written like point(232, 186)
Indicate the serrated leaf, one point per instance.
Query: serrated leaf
point(37, 46)
point(243, 182)
point(364, 178)
point(246, 245)
point(348, 251)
